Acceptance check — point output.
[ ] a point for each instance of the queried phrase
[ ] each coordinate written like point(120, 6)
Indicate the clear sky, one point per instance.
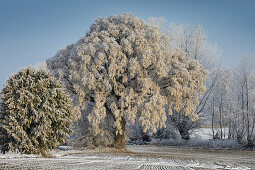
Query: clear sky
point(32, 31)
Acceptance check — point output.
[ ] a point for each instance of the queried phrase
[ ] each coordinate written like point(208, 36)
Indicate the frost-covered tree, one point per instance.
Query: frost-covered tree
point(193, 41)
point(220, 102)
point(245, 97)
point(35, 112)
point(190, 38)
point(231, 104)
point(126, 69)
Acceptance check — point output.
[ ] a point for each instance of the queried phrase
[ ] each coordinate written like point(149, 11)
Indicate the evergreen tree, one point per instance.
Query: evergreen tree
point(35, 113)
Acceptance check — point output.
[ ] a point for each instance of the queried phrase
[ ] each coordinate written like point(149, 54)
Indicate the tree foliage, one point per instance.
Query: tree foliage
point(35, 113)
point(125, 67)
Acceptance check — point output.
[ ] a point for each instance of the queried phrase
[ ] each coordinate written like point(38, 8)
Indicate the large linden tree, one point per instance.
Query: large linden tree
point(125, 68)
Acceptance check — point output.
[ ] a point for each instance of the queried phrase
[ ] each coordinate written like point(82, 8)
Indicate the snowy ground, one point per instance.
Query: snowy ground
point(202, 133)
point(140, 157)
point(143, 157)
point(206, 133)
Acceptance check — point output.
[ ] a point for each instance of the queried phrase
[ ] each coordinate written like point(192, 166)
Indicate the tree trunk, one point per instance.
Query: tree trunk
point(249, 136)
point(120, 139)
point(242, 107)
point(220, 110)
point(213, 118)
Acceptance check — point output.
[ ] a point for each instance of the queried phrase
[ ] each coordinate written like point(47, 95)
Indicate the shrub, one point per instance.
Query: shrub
point(35, 113)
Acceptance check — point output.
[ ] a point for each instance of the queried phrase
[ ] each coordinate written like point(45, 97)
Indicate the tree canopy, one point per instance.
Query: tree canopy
point(126, 68)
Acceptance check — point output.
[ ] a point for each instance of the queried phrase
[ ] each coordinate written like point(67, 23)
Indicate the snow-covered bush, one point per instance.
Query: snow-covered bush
point(36, 113)
point(125, 67)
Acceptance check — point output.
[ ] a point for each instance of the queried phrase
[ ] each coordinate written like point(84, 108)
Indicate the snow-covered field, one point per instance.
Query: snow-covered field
point(140, 157)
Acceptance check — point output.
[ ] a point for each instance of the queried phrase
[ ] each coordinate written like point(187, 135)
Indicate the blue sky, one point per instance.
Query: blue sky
point(32, 31)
